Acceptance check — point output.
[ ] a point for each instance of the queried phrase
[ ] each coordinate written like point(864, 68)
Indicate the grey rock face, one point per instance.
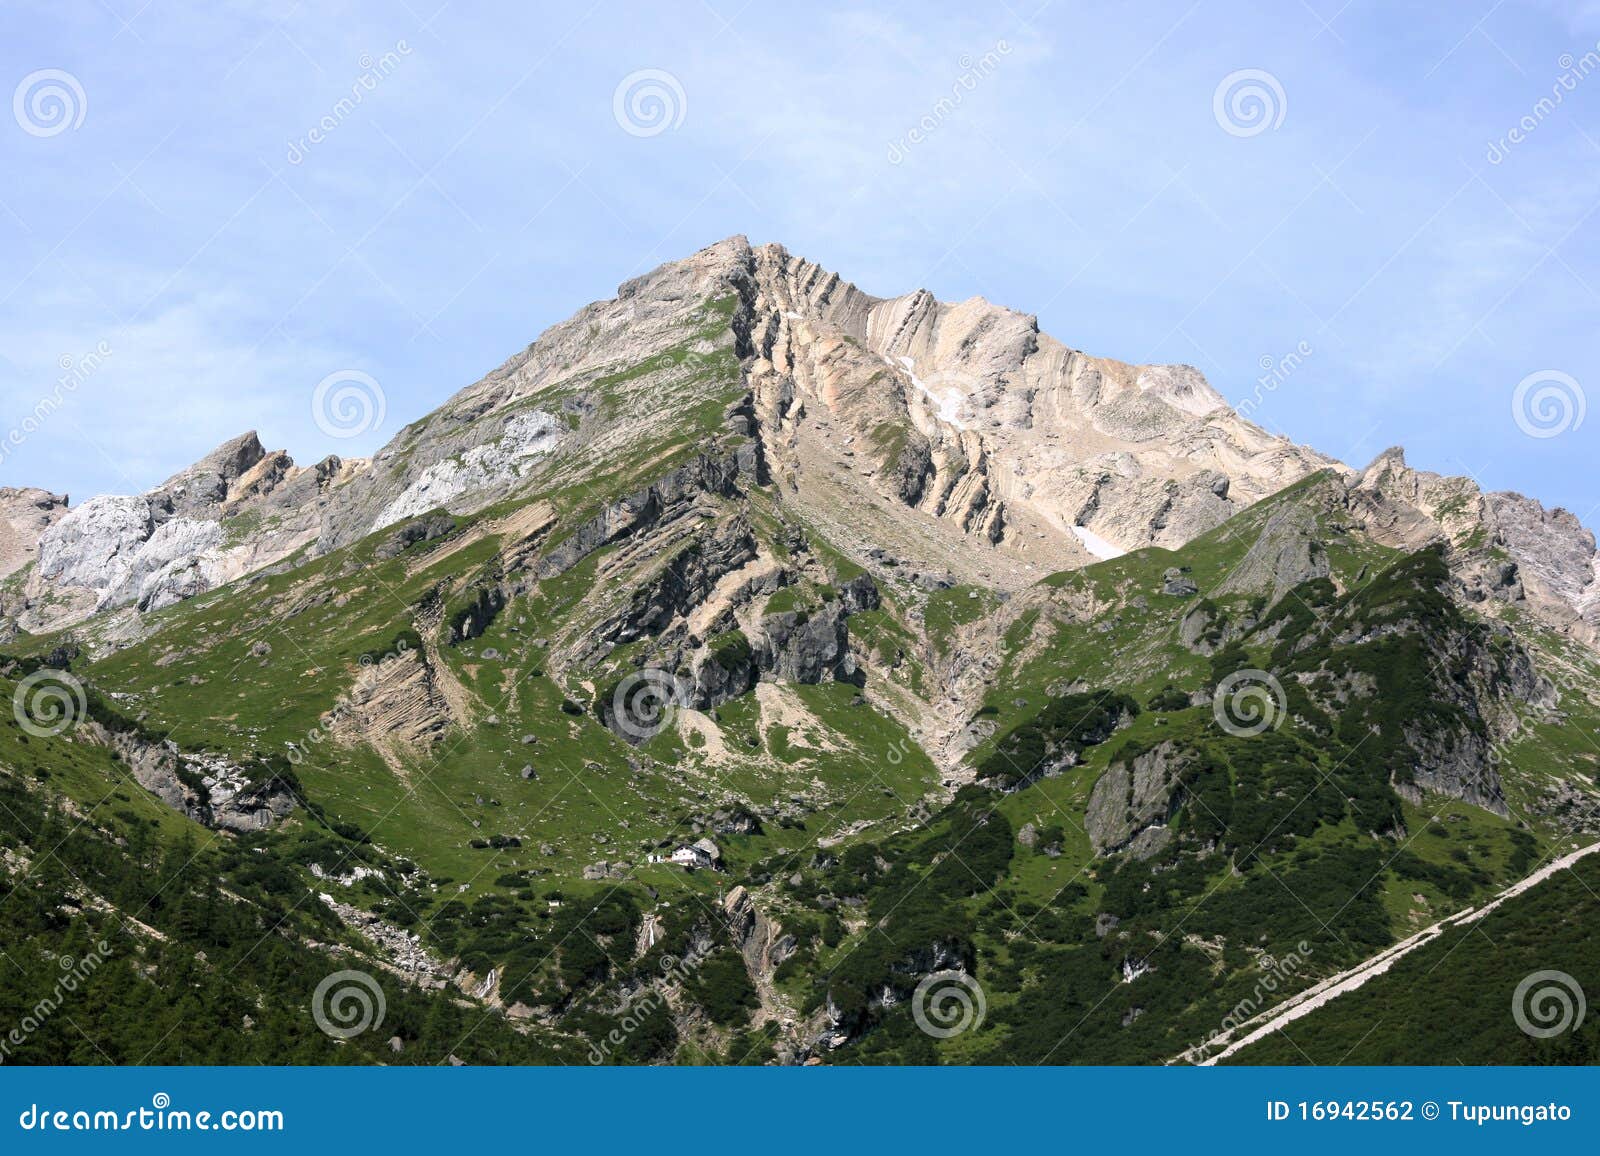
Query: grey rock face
point(208, 483)
point(1176, 583)
point(859, 594)
point(174, 541)
point(1132, 800)
point(404, 536)
point(687, 580)
point(207, 788)
point(1557, 568)
point(661, 501)
point(798, 648)
point(1287, 552)
point(486, 466)
point(94, 545)
point(166, 567)
point(24, 515)
point(716, 680)
point(1556, 560)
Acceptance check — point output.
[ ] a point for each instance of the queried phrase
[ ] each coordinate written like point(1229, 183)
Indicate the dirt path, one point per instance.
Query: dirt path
point(1333, 987)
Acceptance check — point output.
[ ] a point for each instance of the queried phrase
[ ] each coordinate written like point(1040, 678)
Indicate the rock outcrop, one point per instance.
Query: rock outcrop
point(209, 789)
point(25, 514)
point(1503, 545)
point(1287, 552)
point(236, 510)
point(1133, 800)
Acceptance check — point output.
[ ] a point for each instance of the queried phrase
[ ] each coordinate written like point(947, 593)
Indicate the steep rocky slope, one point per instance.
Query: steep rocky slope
point(957, 434)
point(930, 644)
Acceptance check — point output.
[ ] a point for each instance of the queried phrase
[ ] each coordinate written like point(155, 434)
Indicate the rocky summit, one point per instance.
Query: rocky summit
point(753, 669)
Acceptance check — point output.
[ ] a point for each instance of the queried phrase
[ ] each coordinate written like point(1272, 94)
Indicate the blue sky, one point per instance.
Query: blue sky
point(484, 187)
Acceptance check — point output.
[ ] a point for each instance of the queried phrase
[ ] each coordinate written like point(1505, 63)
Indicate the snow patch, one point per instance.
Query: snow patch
point(946, 403)
point(1097, 545)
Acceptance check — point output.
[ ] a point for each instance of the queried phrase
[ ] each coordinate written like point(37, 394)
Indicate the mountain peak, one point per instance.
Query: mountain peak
point(1016, 454)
